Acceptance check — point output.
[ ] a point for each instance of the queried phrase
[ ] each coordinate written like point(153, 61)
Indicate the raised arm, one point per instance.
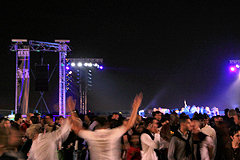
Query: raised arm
point(76, 121)
point(71, 105)
point(136, 104)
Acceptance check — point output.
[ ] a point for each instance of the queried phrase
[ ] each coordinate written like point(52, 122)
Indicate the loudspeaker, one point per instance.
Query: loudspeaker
point(41, 75)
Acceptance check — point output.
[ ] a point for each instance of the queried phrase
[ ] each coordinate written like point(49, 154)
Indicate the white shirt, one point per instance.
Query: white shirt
point(204, 148)
point(208, 130)
point(45, 146)
point(104, 144)
point(148, 146)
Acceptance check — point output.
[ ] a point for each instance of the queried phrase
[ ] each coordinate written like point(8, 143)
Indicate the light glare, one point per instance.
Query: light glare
point(79, 64)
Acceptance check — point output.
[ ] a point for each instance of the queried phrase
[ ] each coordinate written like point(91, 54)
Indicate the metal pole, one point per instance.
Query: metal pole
point(62, 79)
point(16, 83)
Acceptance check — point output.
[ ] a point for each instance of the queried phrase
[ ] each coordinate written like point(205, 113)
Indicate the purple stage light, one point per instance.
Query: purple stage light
point(232, 69)
point(101, 67)
point(67, 68)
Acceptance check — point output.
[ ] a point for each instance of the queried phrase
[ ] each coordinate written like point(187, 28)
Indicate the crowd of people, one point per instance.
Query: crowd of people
point(114, 137)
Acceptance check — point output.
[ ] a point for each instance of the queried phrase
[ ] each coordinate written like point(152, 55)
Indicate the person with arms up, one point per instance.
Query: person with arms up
point(104, 143)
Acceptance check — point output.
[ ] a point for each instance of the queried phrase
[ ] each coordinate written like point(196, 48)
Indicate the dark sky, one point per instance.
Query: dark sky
point(169, 50)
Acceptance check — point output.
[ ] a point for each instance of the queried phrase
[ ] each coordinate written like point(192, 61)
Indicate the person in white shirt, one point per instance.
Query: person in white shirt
point(44, 146)
point(104, 143)
point(208, 130)
point(150, 140)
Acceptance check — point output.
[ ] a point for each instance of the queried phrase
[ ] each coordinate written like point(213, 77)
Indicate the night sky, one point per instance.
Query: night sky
point(169, 50)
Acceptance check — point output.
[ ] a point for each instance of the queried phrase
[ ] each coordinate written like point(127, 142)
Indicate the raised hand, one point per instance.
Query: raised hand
point(136, 104)
point(71, 103)
point(137, 101)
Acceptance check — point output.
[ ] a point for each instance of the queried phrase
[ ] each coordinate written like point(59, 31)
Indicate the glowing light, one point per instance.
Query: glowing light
point(95, 64)
point(79, 64)
point(70, 72)
point(233, 69)
point(85, 64)
point(67, 68)
point(90, 64)
point(237, 66)
point(101, 67)
point(73, 64)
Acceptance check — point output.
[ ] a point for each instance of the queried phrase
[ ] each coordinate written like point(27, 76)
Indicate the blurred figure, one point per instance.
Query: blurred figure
point(104, 142)
point(115, 116)
point(203, 144)
point(231, 113)
point(157, 115)
point(165, 137)
point(59, 120)
point(5, 123)
point(174, 122)
point(133, 152)
point(27, 122)
point(208, 130)
point(17, 121)
point(44, 146)
point(236, 119)
point(50, 125)
point(180, 147)
point(9, 140)
point(34, 120)
point(223, 141)
point(38, 115)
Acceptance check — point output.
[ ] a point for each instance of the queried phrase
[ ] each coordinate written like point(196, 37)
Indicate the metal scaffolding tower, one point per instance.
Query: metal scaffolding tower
point(22, 49)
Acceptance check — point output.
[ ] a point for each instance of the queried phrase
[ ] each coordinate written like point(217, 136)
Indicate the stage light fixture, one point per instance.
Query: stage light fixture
point(79, 64)
point(67, 68)
point(90, 64)
point(237, 66)
point(85, 64)
point(73, 64)
point(70, 72)
point(101, 67)
point(95, 64)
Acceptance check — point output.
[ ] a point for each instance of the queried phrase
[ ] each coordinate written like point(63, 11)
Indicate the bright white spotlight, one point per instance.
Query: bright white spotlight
point(73, 64)
point(79, 64)
point(95, 64)
point(70, 72)
point(90, 65)
point(85, 64)
point(237, 66)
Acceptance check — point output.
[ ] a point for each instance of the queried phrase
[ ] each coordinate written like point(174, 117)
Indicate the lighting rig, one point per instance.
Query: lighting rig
point(79, 72)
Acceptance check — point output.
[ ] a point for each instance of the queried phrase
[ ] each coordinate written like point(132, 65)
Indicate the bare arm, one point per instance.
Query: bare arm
point(136, 104)
point(76, 121)
point(71, 105)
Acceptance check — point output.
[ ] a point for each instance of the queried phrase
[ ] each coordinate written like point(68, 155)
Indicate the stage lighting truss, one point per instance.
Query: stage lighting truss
point(79, 74)
point(234, 65)
point(85, 62)
point(22, 47)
